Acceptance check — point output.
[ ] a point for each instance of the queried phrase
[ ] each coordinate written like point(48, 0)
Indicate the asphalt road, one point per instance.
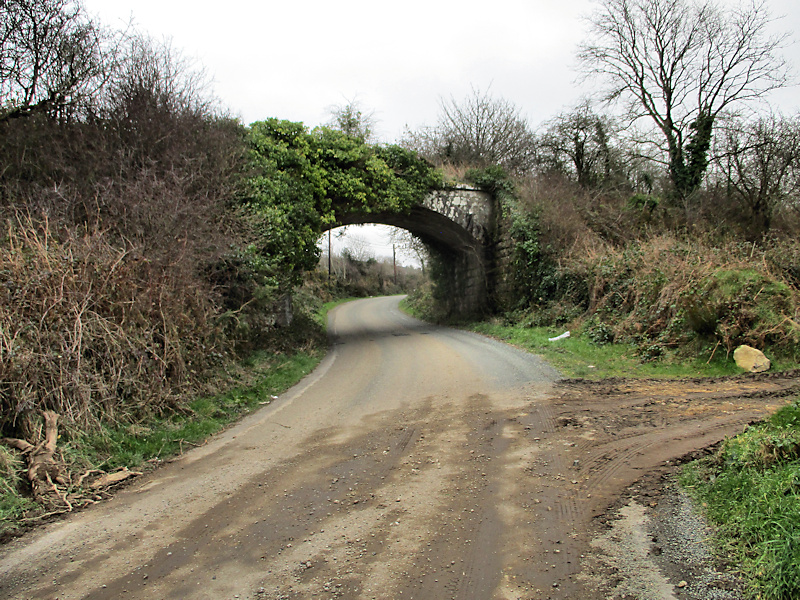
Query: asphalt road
point(398, 469)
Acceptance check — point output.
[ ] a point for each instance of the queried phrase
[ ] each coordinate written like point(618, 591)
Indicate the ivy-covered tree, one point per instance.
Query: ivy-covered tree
point(681, 64)
point(287, 196)
point(578, 142)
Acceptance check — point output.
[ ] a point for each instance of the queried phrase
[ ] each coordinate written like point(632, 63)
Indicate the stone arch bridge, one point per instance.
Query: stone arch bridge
point(459, 224)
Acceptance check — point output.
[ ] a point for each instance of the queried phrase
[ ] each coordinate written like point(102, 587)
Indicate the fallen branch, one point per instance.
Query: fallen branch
point(87, 474)
point(111, 478)
point(63, 496)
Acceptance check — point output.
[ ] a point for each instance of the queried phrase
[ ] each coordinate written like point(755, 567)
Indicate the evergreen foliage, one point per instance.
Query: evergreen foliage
point(301, 179)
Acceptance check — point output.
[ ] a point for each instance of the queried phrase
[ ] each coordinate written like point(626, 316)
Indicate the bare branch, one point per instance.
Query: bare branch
point(53, 58)
point(478, 131)
point(681, 64)
point(759, 164)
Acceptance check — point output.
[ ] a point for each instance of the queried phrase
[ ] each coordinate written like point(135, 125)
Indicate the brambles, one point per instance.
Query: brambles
point(115, 206)
point(599, 333)
point(93, 331)
point(668, 292)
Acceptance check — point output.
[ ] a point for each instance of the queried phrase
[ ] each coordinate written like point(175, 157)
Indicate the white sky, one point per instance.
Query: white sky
point(374, 240)
point(295, 59)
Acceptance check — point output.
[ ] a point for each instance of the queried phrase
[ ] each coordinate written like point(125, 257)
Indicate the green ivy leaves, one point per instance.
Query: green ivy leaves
point(301, 179)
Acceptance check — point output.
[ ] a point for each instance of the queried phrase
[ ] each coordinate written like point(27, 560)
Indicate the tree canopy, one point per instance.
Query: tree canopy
point(354, 120)
point(478, 131)
point(53, 58)
point(759, 165)
point(579, 142)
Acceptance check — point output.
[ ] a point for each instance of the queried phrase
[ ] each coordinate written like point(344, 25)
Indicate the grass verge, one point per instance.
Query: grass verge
point(321, 316)
point(579, 356)
point(132, 445)
point(750, 489)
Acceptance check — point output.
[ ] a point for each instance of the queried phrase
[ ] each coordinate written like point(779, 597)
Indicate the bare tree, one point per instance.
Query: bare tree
point(579, 142)
point(760, 164)
point(53, 59)
point(152, 76)
point(478, 131)
point(412, 245)
point(358, 249)
point(155, 97)
point(681, 63)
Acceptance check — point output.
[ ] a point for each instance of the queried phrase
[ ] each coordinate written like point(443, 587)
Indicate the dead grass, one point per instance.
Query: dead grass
point(666, 291)
point(646, 282)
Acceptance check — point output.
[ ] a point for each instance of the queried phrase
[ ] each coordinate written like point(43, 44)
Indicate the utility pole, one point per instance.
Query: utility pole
point(329, 258)
point(394, 261)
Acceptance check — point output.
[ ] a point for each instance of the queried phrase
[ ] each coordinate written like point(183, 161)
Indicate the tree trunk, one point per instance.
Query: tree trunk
point(43, 470)
point(688, 165)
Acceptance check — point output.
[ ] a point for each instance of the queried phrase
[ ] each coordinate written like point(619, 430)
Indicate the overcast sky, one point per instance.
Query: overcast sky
point(296, 59)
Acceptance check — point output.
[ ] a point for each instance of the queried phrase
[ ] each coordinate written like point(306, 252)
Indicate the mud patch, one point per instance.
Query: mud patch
point(526, 492)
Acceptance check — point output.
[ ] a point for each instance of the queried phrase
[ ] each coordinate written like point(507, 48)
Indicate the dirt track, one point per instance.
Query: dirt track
point(417, 462)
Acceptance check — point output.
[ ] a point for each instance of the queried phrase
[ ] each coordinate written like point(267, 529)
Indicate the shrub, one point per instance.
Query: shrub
point(664, 292)
point(743, 305)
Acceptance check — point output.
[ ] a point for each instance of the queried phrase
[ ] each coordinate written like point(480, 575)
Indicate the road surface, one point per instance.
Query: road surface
point(415, 462)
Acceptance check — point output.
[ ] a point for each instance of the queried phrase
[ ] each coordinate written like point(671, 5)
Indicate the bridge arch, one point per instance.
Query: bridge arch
point(458, 224)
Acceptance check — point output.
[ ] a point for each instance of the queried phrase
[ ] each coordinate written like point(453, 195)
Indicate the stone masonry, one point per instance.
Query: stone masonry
point(460, 224)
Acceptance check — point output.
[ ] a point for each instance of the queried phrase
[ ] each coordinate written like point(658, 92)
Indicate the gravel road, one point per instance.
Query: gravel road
point(415, 462)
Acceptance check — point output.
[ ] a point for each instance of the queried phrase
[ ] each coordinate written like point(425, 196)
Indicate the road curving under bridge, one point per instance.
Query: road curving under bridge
point(415, 462)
